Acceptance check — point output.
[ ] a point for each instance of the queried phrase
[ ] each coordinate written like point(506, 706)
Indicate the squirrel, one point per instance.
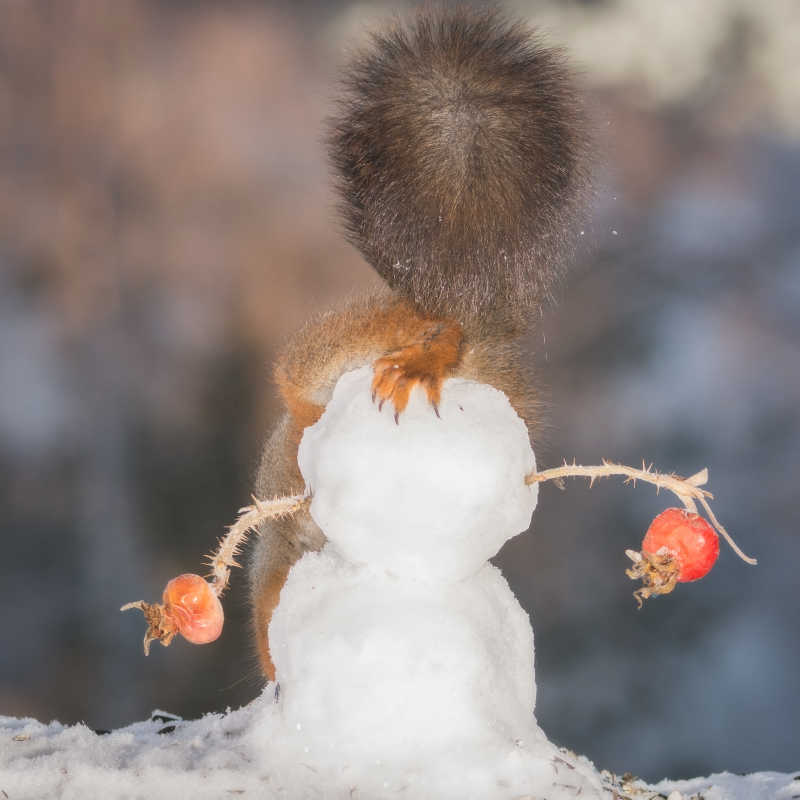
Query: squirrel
point(460, 153)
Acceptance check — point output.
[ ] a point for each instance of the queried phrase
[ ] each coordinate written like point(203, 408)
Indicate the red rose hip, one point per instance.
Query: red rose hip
point(693, 543)
point(679, 546)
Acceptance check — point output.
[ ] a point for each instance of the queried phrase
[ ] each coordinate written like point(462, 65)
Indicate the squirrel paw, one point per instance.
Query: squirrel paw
point(425, 363)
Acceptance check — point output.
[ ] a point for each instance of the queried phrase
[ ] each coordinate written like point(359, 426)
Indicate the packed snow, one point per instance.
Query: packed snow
point(404, 661)
point(426, 498)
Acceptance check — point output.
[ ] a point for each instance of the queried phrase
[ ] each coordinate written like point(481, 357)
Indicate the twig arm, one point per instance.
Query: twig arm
point(689, 490)
point(162, 622)
point(250, 517)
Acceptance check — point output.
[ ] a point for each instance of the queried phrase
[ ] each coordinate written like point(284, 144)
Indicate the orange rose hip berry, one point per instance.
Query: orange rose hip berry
point(194, 609)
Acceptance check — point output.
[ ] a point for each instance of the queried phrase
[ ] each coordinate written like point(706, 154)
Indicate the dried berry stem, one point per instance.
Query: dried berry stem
point(160, 625)
point(250, 517)
point(687, 489)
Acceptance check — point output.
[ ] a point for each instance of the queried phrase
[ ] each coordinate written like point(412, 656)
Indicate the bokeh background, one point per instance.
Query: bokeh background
point(166, 221)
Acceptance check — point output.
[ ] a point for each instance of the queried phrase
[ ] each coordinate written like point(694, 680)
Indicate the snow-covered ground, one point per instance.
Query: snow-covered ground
point(233, 755)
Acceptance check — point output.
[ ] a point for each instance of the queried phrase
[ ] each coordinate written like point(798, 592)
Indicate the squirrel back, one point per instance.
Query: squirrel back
point(460, 152)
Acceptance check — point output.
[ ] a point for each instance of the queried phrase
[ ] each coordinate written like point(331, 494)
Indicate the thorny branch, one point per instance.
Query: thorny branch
point(687, 489)
point(162, 624)
point(250, 517)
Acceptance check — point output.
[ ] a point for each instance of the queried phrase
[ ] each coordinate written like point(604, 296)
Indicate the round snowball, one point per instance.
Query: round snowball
point(374, 667)
point(429, 497)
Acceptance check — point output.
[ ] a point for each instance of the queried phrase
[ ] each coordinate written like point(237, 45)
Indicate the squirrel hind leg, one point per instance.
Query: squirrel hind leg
point(264, 604)
point(281, 543)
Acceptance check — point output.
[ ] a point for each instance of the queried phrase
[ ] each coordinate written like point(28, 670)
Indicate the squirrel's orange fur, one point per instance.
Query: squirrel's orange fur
point(460, 158)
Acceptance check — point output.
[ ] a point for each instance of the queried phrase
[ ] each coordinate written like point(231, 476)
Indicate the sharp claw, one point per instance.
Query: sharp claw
point(436, 410)
point(374, 392)
point(396, 417)
point(380, 405)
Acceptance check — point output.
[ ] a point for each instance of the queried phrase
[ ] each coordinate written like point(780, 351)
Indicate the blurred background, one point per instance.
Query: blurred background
point(166, 221)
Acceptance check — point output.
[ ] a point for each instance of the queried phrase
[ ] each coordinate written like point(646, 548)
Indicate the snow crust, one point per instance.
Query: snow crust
point(405, 662)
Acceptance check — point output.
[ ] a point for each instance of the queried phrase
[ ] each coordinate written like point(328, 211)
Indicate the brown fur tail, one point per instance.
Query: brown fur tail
point(460, 151)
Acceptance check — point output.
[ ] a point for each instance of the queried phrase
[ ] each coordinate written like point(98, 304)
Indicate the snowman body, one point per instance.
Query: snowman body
point(374, 668)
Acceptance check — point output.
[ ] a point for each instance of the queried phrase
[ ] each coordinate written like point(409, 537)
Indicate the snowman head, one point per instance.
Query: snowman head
point(428, 497)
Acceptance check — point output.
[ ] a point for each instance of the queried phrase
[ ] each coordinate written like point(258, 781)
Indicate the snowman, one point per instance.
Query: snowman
point(399, 646)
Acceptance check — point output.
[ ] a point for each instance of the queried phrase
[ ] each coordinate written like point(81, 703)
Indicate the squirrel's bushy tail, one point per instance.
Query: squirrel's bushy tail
point(460, 149)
